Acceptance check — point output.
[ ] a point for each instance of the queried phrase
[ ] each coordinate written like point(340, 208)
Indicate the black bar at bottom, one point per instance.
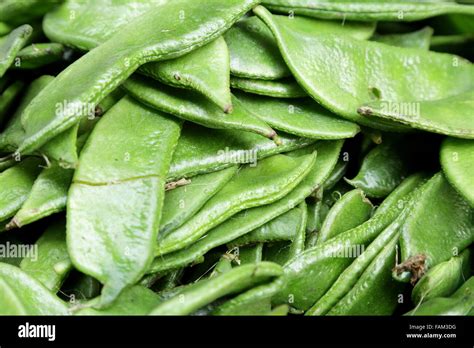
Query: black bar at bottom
point(238, 330)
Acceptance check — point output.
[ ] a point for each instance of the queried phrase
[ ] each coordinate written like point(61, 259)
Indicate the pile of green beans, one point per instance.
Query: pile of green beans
point(236, 157)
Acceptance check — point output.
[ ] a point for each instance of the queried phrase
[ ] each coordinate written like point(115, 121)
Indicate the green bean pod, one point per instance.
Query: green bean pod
point(223, 148)
point(117, 195)
point(249, 220)
point(350, 210)
point(367, 10)
point(24, 295)
point(245, 190)
point(443, 279)
point(51, 264)
point(203, 292)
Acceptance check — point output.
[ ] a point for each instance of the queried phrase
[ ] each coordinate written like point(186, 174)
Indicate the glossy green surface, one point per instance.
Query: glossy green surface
point(151, 37)
point(460, 303)
point(281, 252)
point(372, 70)
point(7, 164)
point(62, 148)
point(314, 221)
point(450, 115)
point(450, 230)
point(250, 253)
point(326, 261)
point(205, 291)
point(203, 157)
point(271, 179)
point(193, 107)
point(284, 88)
point(351, 275)
point(417, 39)
point(19, 12)
point(358, 30)
point(375, 293)
point(224, 265)
point(48, 196)
point(126, 183)
point(219, 149)
point(253, 51)
point(457, 161)
point(363, 10)
point(51, 264)
point(444, 306)
point(16, 183)
point(10, 47)
point(249, 220)
point(301, 117)
point(443, 279)
point(13, 133)
point(466, 288)
point(336, 175)
point(205, 70)
point(406, 187)
point(382, 169)
point(183, 202)
point(282, 228)
point(351, 210)
point(39, 54)
point(136, 300)
point(73, 22)
point(256, 301)
point(297, 245)
point(5, 28)
point(24, 295)
point(8, 98)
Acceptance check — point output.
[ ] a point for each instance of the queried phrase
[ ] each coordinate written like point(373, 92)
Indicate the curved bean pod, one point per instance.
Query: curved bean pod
point(382, 169)
point(183, 202)
point(457, 160)
point(253, 51)
point(52, 263)
point(126, 185)
point(326, 261)
point(249, 220)
point(151, 37)
point(367, 10)
point(350, 210)
point(301, 117)
point(246, 190)
point(284, 88)
point(24, 295)
point(372, 71)
point(451, 229)
point(350, 276)
point(375, 293)
point(443, 279)
point(203, 292)
point(223, 148)
point(16, 183)
point(10, 46)
point(191, 106)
